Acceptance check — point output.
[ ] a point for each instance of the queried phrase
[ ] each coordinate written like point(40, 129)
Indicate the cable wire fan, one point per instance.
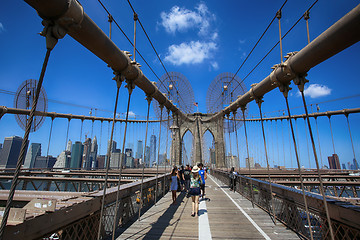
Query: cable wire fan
point(223, 90)
point(178, 90)
point(24, 98)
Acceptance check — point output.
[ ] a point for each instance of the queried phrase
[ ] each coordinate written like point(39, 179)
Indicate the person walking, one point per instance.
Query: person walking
point(187, 173)
point(181, 176)
point(195, 190)
point(203, 176)
point(174, 184)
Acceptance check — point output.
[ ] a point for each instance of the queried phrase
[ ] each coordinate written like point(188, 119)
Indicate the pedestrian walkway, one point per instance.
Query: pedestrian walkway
point(222, 215)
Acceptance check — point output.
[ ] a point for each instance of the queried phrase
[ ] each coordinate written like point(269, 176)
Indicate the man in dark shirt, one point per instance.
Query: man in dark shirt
point(187, 173)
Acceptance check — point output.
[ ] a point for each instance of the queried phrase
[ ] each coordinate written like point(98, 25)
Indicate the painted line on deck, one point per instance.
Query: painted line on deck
point(243, 212)
point(204, 226)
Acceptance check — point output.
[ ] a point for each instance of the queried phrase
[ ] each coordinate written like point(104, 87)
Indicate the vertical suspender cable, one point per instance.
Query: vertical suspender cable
point(317, 131)
point(332, 136)
point(130, 86)
point(107, 162)
point(101, 126)
point(231, 155)
point(50, 45)
point(259, 101)
point(307, 144)
point(278, 15)
point(48, 147)
point(237, 146)
point(290, 146)
point(243, 108)
point(81, 129)
point(298, 163)
point(148, 98)
point(135, 19)
point(300, 81)
point(157, 165)
point(352, 143)
point(166, 149)
point(306, 17)
point(67, 133)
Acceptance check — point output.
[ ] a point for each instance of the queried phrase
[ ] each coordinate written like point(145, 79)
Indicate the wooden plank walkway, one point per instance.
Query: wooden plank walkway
point(223, 215)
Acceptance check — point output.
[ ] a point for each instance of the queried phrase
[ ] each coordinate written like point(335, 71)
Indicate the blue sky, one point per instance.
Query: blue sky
point(199, 39)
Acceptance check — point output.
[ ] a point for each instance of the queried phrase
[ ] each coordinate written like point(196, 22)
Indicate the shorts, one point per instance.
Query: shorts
point(194, 191)
point(202, 187)
point(182, 182)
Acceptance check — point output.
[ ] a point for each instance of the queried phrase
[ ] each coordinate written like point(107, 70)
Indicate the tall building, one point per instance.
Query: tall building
point(147, 156)
point(34, 151)
point(152, 150)
point(0, 146)
point(212, 156)
point(343, 166)
point(10, 152)
point(76, 155)
point(93, 153)
point(356, 165)
point(129, 162)
point(139, 149)
point(251, 161)
point(44, 162)
point(63, 160)
point(68, 146)
point(232, 160)
point(334, 162)
point(86, 162)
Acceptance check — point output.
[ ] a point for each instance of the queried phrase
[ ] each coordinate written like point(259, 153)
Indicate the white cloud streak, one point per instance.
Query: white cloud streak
point(2, 29)
point(317, 90)
point(190, 53)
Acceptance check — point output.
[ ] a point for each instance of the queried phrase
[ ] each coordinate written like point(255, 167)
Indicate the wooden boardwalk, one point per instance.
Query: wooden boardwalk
point(223, 215)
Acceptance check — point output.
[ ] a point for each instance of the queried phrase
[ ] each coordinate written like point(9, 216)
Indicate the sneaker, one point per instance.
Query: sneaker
point(193, 214)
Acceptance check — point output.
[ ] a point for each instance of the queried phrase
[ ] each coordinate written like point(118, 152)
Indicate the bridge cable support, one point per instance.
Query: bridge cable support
point(52, 32)
point(278, 16)
point(157, 165)
point(117, 78)
point(149, 99)
point(284, 88)
point(243, 109)
point(300, 82)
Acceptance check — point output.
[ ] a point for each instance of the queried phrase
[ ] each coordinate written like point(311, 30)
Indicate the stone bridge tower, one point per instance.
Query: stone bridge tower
point(199, 123)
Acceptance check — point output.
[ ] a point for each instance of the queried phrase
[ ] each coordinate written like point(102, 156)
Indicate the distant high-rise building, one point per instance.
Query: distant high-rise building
point(76, 155)
point(251, 161)
point(334, 162)
point(129, 162)
point(113, 146)
point(10, 152)
point(93, 153)
point(147, 156)
point(162, 159)
point(232, 160)
point(34, 151)
point(44, 162)
point(68, 146)
point(212, 156)
point(0, 146)
point(152, 150)
point(343, 166)
point(356, 165)
point(257, 165)
point(139, 150)
point(63, 160)
point(86, 162)
point(100, 161)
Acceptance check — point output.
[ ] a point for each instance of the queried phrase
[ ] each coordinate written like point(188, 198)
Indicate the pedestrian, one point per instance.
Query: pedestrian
point(195, 190)
point(174, 184)
point(232, 177)
point(187, 173)
point(181, 176)
point(203, 176)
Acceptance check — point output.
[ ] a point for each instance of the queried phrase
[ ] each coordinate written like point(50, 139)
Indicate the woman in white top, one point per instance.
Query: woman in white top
point(174, 184)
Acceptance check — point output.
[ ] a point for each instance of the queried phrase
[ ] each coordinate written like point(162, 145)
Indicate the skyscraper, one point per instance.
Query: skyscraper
point(93, 153)
point(139, 150)
point(63, 160)
point(334, 162)
point(86, 163)
point(147, 156)
point(68, 146)
point(152, 149)
point(34, 151)
point(10, 152)
point(356, 165)
point(44, 162)
point(251, 161)
point(76, 155)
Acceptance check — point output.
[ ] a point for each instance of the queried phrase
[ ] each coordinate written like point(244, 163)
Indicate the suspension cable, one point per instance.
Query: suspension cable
point(67, 134)
point(107, 162)
point(332, 136)
point(81, 129)
point(101, 126)
point(243, 108)
point(148, 98)
point(157, 165)
point(352, 143)
point(167, 140)
point(259, 101)
point(130, 86)
point(278, 16)
point(298, 162)
point(317, 131)
point(307, 144)
point(237, 147)
point(48, 147)
point(300, 81)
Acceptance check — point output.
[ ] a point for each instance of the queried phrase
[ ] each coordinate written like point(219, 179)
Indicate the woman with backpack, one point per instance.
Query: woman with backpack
point(195, 190)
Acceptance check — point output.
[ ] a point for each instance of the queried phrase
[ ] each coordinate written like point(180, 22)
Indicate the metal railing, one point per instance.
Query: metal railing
point(80, 219)
point(290, 209)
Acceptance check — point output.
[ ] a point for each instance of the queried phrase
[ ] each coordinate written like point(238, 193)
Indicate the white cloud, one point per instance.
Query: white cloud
point(193, 52)
point(182, 19)
point(2, 29)
point(317, 90)
point(214, 65)
point(132, 114)
point(242, 41)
